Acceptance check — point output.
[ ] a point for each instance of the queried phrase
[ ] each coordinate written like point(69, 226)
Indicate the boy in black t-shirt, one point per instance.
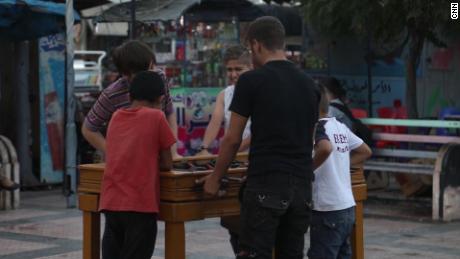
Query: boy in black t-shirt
point(282, 103)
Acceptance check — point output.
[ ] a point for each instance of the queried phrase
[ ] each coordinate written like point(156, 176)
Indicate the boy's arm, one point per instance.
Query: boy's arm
point(165, 159)
point(95, 120)
point(323, 148)
point(228, 150)
point(245, 144)
point(165, 140)
point(172, 121)
point(360, 154)
point(214, 125)
point(360, 151)
point(168, 107)
point(94, 138)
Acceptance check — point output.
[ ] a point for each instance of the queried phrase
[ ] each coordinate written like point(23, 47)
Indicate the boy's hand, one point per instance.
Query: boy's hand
point(176, 156)
point(203, 152)
point(211, 184)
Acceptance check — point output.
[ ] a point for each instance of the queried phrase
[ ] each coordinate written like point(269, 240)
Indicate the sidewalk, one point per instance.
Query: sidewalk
point(43, 228)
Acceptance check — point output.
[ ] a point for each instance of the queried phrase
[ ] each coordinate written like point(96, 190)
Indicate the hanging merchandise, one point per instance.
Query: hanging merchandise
point(191, 53)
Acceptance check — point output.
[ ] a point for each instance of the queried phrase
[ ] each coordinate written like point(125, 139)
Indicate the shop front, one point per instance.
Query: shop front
point(189, 42)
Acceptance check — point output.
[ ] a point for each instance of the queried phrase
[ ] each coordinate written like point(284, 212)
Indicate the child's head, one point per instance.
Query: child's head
point(147, 89)
point(237, 60)
point(132, 57)
point(334, 88)
point(324, 102)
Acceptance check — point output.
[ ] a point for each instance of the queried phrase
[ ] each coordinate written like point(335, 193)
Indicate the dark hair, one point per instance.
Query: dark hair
point(132, 57)
point(334, 87)
point(146, 86)
point(234, 53)
point(246, 58)
point(267, 30)
point(323, 102)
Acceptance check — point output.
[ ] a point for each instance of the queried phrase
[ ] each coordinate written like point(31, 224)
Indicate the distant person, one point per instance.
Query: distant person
point(339, 109)
point(237, 61)
point(130, 58)
point(138, 147)
point(282, 103)
point(333, 214)
point(337, 100)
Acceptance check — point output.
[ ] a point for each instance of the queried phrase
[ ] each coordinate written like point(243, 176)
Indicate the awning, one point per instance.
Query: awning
point(224, 10)
point(30, 19)
point(203, 11)
point(147, 11)
point(85, 4)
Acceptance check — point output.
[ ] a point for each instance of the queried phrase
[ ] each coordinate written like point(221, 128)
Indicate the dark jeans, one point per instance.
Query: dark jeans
point(232, 224)
point(330, 234)
point(275, 213)
point(129, 235)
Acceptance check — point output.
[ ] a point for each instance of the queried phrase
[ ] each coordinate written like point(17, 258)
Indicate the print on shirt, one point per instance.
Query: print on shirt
point(341, 142)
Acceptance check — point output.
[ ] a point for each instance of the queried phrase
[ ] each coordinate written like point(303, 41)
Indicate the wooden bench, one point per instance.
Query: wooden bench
point(9, 167)
point(414, 157)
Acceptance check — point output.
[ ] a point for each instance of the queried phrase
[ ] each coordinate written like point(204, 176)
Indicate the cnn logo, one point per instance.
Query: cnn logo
point(454, 11)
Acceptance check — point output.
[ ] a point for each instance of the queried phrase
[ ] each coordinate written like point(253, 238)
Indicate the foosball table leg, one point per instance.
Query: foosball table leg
point(174, 240)
point(357, 237)
point(91, 235)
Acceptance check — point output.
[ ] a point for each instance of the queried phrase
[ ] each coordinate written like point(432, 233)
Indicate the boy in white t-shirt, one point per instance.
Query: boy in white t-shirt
point(333, 212)
point(237, 60)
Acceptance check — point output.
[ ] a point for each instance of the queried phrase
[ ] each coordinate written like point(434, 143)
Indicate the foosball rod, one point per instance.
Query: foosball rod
point(241, 155)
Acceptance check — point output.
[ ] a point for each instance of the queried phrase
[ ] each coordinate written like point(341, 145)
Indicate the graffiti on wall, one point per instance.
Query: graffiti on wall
point(194, 107)
point(385, 91)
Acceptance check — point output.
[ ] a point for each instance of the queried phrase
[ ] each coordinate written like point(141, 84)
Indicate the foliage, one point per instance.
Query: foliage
point(390, 24)
point(387, 20)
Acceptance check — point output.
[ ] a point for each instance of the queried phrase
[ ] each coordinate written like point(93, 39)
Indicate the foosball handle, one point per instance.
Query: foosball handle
point(223, 185)
point(236, 179)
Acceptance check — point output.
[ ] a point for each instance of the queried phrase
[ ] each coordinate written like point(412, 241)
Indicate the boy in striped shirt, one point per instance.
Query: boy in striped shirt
point(129, 58)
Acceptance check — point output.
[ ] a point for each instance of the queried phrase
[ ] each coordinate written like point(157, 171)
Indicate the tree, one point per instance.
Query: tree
point(391, 24)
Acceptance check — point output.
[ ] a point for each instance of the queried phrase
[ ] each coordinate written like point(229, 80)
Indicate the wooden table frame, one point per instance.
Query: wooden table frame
point(175, 214)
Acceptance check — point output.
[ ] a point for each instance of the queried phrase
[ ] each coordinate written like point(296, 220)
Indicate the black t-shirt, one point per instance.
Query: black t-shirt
point(282, 102)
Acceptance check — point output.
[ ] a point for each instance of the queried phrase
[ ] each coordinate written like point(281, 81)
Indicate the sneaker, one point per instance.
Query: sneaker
point(7, 184)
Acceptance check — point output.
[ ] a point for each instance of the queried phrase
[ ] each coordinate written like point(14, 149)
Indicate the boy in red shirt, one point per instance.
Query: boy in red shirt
point(138, 147)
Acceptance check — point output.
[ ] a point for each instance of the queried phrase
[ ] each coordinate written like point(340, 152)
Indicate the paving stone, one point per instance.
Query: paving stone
point(43, 228)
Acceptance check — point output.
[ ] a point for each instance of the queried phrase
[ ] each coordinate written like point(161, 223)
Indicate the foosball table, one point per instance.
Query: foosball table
point(182, 200)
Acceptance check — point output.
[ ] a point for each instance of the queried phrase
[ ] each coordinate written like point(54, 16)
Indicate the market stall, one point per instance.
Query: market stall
point(189, 39)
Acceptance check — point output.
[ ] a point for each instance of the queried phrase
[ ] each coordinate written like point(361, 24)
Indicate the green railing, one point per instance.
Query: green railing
point(413, 123)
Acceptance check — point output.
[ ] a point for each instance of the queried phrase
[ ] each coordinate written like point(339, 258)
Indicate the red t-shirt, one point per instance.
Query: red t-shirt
point(131, 179)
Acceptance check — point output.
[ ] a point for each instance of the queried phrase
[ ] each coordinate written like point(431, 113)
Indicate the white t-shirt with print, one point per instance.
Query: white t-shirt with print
point(228, 96)
point(332, 185)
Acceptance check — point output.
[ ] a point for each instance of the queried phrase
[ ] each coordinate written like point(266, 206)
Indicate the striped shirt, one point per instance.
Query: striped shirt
point(116, 96)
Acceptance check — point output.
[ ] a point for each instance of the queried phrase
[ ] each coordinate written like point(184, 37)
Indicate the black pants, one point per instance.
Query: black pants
point(275, 213)
point(129, 235)
point(232, 224)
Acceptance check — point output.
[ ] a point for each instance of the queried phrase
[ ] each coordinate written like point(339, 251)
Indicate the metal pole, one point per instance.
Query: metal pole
point(70, 173)
point(369, 71)
point(23, 116)
point(132, 29)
